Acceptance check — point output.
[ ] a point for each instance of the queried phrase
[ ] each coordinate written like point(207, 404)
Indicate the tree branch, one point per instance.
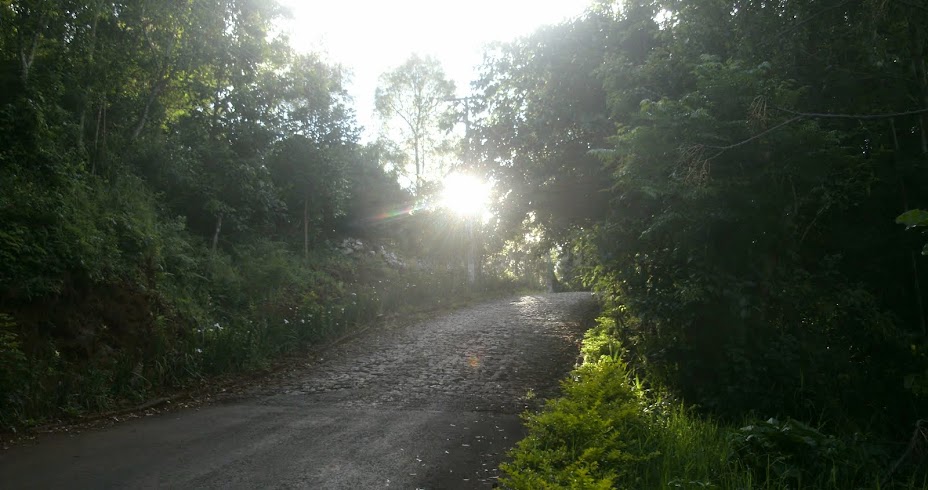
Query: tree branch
point(752, 138)
point(812, 115)
point(396, 110)
point(822, 115)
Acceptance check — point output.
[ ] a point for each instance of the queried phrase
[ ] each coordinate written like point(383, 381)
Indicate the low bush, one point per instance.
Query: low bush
point(608, 432)
point(612, 430)
point(197, 314)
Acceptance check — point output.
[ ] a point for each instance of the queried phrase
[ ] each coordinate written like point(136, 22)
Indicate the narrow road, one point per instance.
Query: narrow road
point(430, 405)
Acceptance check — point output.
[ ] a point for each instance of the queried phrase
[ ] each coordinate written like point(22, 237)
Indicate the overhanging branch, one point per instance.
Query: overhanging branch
point(823, 115)
point(814, 115)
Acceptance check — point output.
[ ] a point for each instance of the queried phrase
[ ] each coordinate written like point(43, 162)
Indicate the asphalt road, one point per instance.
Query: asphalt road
point(429, 405)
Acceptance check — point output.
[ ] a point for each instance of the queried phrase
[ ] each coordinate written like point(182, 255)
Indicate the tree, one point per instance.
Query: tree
point(310, 164)
point(541, 109)
point(378, 206)
point(746, 178)
point(412, 99)
point(159, 161)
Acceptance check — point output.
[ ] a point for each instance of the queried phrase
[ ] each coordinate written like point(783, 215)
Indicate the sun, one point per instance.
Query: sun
point(465, 195)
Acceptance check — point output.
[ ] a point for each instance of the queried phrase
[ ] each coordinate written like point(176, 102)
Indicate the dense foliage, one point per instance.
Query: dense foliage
point(742, 183)
point(728, 175)
point(609, 430)
point(175, 188)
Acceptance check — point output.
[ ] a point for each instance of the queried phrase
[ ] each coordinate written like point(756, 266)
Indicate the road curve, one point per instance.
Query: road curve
point(429, 405)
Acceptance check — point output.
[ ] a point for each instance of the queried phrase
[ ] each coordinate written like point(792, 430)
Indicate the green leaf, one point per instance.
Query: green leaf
point(913, 218)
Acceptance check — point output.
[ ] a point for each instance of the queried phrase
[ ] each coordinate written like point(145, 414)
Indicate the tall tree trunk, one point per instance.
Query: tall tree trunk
point(913, 260)
point(418, 165)
point(96, 139)
point(917, 29)
point(470, 253)
point(306, 227)
point(88, 72)
point(918, 294)
point(216, 233)
point(152, 97)
point(917, 35)
point(27, 58)
point(103, 133)
point(217, 104)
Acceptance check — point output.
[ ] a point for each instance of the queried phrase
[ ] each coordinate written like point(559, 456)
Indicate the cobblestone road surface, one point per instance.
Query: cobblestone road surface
point(428, 405)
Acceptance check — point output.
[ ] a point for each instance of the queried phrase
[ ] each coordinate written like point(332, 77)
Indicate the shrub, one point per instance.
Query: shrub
point(796, 455)
point(607, 432)
point(13, 371)
point(612, 430)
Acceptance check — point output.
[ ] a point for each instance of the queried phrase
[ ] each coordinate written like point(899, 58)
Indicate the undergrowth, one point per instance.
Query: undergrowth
point(201, 314)
point(610, 429)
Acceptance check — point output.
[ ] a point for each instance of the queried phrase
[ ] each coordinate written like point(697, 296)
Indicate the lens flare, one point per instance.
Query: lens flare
point(465, 195)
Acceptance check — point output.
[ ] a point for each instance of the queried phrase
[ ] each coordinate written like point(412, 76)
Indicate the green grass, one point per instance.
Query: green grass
point(608, 430)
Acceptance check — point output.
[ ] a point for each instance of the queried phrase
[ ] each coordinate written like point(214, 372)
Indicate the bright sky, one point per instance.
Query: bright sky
point(370, 37)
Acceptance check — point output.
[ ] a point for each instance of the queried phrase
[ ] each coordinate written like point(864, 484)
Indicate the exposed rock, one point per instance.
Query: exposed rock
point(350, 246)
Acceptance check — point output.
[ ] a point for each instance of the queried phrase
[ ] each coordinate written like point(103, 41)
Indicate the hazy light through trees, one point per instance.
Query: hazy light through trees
point(371, 37)
point(466, 196)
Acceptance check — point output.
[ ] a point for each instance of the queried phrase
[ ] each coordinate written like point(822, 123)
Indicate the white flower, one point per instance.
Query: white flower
point(286, 322)
point(199, 350)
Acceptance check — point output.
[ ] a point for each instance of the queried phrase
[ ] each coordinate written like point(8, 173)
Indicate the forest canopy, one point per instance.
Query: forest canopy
point(743, 184)
point(731, 177)
point(182, 194)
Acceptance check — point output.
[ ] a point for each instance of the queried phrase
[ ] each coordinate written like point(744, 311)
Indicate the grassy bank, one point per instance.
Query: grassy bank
point(201, 315)
point(610, 429)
